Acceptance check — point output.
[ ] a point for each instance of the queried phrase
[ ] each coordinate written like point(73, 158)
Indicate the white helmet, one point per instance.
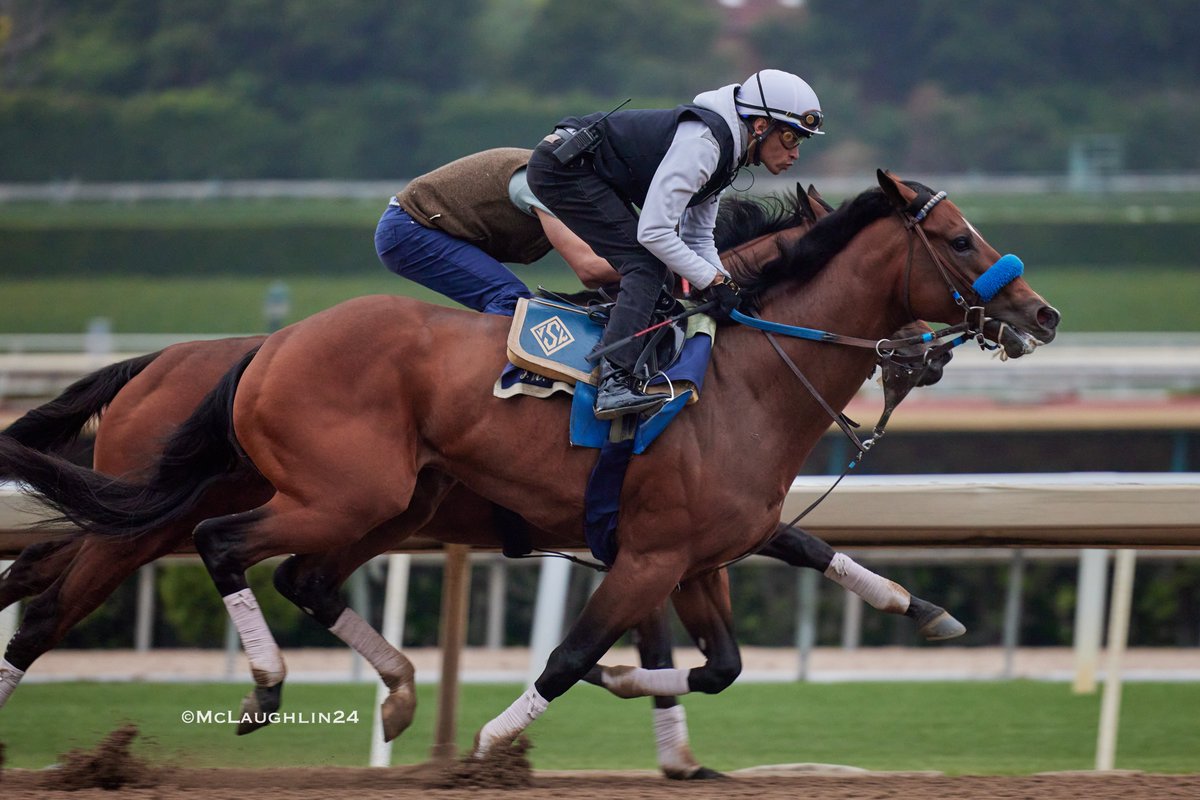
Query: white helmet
point(781, 96)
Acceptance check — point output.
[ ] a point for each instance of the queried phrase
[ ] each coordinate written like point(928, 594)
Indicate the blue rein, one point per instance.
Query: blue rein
point(795, 331)
point(1006, 269)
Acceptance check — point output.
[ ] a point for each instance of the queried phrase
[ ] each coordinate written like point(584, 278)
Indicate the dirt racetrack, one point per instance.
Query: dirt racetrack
point(417, 782)
point(111, 771)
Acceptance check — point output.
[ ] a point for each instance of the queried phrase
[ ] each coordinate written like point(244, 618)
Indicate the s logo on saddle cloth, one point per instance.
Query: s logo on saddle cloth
point(552, 335)
point(553, 339)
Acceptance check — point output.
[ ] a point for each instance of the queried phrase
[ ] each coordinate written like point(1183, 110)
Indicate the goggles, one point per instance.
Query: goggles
point(808, 121)
point(791, 137)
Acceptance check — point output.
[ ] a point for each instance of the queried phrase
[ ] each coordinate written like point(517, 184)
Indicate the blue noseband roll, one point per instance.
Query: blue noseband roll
point(1007, 269)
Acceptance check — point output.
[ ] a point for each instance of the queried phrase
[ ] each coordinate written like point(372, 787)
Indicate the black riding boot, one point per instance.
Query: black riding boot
point(618, 394)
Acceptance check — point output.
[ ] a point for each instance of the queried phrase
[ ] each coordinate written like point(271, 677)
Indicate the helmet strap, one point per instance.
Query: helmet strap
point(758, 137)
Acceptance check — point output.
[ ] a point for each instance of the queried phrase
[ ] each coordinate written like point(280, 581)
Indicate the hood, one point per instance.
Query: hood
point(721, 101)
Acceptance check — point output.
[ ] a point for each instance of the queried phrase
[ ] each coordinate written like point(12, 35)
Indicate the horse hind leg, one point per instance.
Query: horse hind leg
point(35, 569)
point(98, 567)
point(229, 545)
point(313, 583)
point(802, 549)
point(221, 544)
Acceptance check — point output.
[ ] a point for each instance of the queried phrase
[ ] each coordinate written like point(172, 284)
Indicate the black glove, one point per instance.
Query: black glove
point(727, 298)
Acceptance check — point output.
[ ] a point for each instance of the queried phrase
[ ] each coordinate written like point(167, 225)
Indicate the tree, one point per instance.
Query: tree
point(624, 47)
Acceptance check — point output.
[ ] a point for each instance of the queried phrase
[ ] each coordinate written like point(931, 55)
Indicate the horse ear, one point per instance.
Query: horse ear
point(803, 206)
point(820, 201)
point(897, 192)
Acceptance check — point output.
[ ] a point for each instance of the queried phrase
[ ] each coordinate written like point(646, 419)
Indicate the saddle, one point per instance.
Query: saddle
point(553, 334)
point(551, 338)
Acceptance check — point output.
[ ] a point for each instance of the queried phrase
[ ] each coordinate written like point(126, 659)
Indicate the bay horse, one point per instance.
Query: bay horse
point(345, 412)
point(144, 398)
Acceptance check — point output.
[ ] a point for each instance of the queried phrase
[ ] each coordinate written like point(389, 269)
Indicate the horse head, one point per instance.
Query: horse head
point(961, 271)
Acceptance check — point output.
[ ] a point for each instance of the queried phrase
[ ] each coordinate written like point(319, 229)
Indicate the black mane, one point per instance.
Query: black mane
point(807, 256)
point(744, 219)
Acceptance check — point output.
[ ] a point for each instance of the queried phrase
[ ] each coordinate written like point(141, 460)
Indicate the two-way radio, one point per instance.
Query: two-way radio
point(583, 140)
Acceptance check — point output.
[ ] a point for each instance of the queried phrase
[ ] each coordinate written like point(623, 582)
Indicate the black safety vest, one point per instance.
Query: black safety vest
point(634, 143)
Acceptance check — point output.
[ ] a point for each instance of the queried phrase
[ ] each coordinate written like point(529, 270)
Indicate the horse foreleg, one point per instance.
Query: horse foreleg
point(802, 549)
point(617, 605)
point(653, 638)
point(703, 607)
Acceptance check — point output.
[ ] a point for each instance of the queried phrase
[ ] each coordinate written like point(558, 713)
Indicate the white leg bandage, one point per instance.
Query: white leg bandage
point(875, 589)
point(389, 662)
point(513, 721)
point(639, 682)
point(10, 676)
point(671, 737)
point(266, 662)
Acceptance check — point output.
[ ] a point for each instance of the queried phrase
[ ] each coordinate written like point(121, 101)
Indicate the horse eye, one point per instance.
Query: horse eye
point(961, 244)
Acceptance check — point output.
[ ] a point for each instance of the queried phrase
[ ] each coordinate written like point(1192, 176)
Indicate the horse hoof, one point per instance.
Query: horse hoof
point(397, 711)
point(941, 627)
point(697, 774)
point(258, 706)
point(933, 622)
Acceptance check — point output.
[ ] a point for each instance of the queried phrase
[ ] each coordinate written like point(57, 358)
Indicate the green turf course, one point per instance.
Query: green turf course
point(1145, 298)
point(1001, 728)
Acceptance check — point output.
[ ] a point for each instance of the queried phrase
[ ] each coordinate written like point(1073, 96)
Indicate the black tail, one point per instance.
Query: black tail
point(200, 452)
point(54, 425)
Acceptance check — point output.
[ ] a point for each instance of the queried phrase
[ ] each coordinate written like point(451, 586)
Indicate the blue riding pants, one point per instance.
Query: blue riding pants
point(449, 266)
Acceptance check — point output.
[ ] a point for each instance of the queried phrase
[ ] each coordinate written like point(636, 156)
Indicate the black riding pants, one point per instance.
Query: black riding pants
point(594, 212)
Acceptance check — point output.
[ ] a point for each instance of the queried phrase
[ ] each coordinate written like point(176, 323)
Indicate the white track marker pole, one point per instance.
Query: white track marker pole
point(1118, 636)
point(1091, 588)
point(806, 620)
point(497, 592)
point(8, 617)
point(548, 614)
point(143, 628)
point(851, 620)
point(395, 605)
point(1012, 611)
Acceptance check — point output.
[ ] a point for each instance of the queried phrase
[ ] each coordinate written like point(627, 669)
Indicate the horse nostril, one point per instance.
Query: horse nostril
point(1048, 317)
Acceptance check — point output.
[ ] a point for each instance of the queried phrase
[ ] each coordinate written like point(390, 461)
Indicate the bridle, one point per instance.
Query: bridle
point(982, 290)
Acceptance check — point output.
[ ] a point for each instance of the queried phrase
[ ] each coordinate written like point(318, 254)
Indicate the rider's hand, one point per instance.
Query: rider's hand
point(725, 293)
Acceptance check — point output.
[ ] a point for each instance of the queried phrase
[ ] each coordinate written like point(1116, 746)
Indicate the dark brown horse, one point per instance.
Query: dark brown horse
point(346, 413)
